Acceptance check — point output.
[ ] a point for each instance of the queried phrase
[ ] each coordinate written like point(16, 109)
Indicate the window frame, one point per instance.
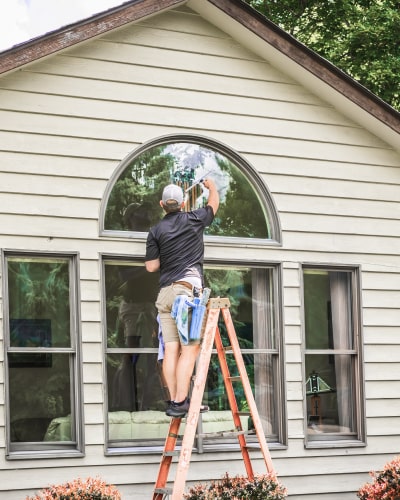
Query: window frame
point(278, 351)
point(241, 163)
point(47, 449)
point(336, 440)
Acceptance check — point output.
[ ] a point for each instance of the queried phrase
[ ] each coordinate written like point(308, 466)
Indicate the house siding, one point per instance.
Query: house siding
point(69, 120)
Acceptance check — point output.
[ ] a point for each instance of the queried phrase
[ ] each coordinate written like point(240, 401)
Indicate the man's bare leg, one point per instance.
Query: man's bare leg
point(184, 370)
point(169, 366)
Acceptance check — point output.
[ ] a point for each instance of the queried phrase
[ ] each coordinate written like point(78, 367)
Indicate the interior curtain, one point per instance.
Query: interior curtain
point(263, 339)
point(342, 339)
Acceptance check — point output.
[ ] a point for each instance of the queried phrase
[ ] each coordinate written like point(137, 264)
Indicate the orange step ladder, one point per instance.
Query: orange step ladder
point(211, 336)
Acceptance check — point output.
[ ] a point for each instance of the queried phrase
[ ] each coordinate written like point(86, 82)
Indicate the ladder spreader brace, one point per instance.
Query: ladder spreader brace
point(211, 336)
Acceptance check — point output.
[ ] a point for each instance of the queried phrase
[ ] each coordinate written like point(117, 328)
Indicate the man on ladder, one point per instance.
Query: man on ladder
point(175, 247)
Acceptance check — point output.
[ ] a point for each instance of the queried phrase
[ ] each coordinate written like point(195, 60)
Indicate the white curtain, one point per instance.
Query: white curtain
point(342, 339)
point(264, 372)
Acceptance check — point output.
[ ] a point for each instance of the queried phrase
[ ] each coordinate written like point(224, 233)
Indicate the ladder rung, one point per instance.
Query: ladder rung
point(235, 378)
point(171, 453)
point(244, 413)
point(164, 491)
point(224, 433)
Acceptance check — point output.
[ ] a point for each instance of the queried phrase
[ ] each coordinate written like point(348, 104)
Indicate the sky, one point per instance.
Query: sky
point(21, 20)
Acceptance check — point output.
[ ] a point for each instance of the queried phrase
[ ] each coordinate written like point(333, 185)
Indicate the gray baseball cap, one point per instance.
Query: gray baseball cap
point(172, 195)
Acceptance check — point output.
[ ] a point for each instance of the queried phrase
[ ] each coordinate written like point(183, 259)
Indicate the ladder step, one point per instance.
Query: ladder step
point(171, 453)
point(236, 378)
point(164, 491)
point(224, 433)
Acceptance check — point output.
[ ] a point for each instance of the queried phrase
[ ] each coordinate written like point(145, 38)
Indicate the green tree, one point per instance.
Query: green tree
point(358, 36)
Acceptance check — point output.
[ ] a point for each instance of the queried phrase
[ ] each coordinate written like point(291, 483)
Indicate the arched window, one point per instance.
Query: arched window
point(131, 202)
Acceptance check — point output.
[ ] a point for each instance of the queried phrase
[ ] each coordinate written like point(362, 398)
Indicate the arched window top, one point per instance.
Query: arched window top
point(131, 201)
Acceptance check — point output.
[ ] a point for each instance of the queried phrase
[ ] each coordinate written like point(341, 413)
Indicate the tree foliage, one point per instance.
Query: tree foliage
point(358, 36)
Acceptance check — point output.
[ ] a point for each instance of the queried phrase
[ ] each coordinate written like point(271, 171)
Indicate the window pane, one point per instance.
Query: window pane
point(39, 311)
point(262, 370)
point(40, 391)
point(328, 311)
point(133, 203)
point(130, 305)
point(330, 394)
point(251, 303)
point(135, 382)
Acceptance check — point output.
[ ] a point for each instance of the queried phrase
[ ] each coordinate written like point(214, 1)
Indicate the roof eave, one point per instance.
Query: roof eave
point(81, 31)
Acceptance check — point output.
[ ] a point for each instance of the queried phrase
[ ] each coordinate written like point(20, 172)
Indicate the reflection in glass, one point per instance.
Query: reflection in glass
point(39, 308)
point(133, 203)
point(39, 377)
point(40, 391)
point(136, 391)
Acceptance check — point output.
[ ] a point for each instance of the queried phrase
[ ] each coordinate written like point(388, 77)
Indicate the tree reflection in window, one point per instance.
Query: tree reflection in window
point(133, 203)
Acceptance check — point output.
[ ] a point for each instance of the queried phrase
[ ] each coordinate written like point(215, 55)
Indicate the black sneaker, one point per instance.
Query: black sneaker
point(179, 410)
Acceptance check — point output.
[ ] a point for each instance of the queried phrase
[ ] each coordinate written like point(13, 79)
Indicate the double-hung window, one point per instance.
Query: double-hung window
point(136, 390)
point(333, 361)
point(41, 355)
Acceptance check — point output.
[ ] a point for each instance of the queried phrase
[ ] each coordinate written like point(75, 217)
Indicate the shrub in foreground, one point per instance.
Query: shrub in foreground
point(386, 483)
point(78, 489)
point(262, 487)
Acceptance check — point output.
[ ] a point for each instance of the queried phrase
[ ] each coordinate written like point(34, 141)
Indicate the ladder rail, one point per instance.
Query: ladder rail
point(247, 389)
point(195, 402)
point(166, 460)
point(233, 402)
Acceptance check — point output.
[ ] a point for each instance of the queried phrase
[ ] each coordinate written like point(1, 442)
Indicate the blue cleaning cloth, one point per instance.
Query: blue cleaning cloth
point(180, 312)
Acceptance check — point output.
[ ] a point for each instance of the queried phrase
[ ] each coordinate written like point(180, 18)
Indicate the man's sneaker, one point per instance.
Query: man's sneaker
point(179, 410)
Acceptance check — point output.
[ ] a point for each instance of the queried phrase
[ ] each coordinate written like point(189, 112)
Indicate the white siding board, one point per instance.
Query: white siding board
point(92, 372)
point(382, 371)
point(339, 224)
point(349, 170)
point(387, 426)
point(93, 393)
point(48, 205)
point(292, 334)
point(348, 189)
point(337, 206)
point(381, 298)
point(381, 335)
point(382, 317)
point(382, 353)
point(293, 354)
point(92, 352)
point(57, 166)
point(383, 408)
point(387, 389)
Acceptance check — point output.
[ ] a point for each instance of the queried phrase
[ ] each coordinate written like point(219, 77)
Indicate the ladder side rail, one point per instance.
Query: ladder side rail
point(169, 446)
point(247, 389)
point(195, 402)
point(233, 402)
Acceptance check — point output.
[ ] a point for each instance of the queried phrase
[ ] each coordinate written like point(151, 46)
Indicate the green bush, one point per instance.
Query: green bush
point(262, 487)
point(386, 483)
point(78, 489)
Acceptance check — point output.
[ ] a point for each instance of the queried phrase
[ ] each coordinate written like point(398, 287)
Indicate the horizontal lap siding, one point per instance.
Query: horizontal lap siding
point(67, 122)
